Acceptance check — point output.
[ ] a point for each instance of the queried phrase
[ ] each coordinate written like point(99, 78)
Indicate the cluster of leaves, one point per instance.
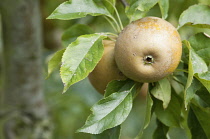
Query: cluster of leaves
point(180, 100)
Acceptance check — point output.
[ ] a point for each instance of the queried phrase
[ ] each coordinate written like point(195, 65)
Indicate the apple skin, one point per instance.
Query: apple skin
point(148, 49)
point(106, 70)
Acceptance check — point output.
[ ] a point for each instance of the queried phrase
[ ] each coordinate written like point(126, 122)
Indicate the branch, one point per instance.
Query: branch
point(124, 2)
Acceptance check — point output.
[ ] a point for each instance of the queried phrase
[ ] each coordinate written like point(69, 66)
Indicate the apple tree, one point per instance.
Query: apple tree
point(181, 99)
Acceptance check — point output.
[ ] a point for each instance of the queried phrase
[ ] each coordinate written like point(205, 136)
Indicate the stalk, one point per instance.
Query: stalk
point(110, 22)
point(119, 20)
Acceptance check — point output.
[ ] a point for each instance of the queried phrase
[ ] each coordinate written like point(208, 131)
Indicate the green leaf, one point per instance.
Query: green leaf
point(196, 65)
point(113, 133)
point(148, 111)
point(204, 95)
point(75, 31)
point(148, 115)
point(55, 61)
point(139, 8)
point(206, 2)
point(195, 86)
point(196, 15)
point(80, 58)
point(110, 111)
point(162, 91)
point(164, 6)
point(134, 14)
point(200, 43)
point(197, 131)
point(146, 5)
point(77, 9)
point(171, 115)
point(108, 4)
point(161, 131)
point(202, 115)
point(113, 2)
point(190, 73)
point(177, 85)
point(204, 78)
point(114, 86)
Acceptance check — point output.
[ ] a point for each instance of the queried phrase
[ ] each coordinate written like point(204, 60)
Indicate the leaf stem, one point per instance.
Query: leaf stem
point(175, 79)
point(109, 33)
point(181, 70)
point(139, 135)
point(119, 20)
point(118, 16)
point(115, 21)
point(110, 22)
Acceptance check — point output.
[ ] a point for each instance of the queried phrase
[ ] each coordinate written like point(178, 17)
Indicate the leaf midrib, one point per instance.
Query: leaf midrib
point(109, 112)
point(79, 63)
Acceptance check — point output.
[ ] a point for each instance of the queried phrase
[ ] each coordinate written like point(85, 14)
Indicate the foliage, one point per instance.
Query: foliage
point(181, 100)
point(116, 106)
